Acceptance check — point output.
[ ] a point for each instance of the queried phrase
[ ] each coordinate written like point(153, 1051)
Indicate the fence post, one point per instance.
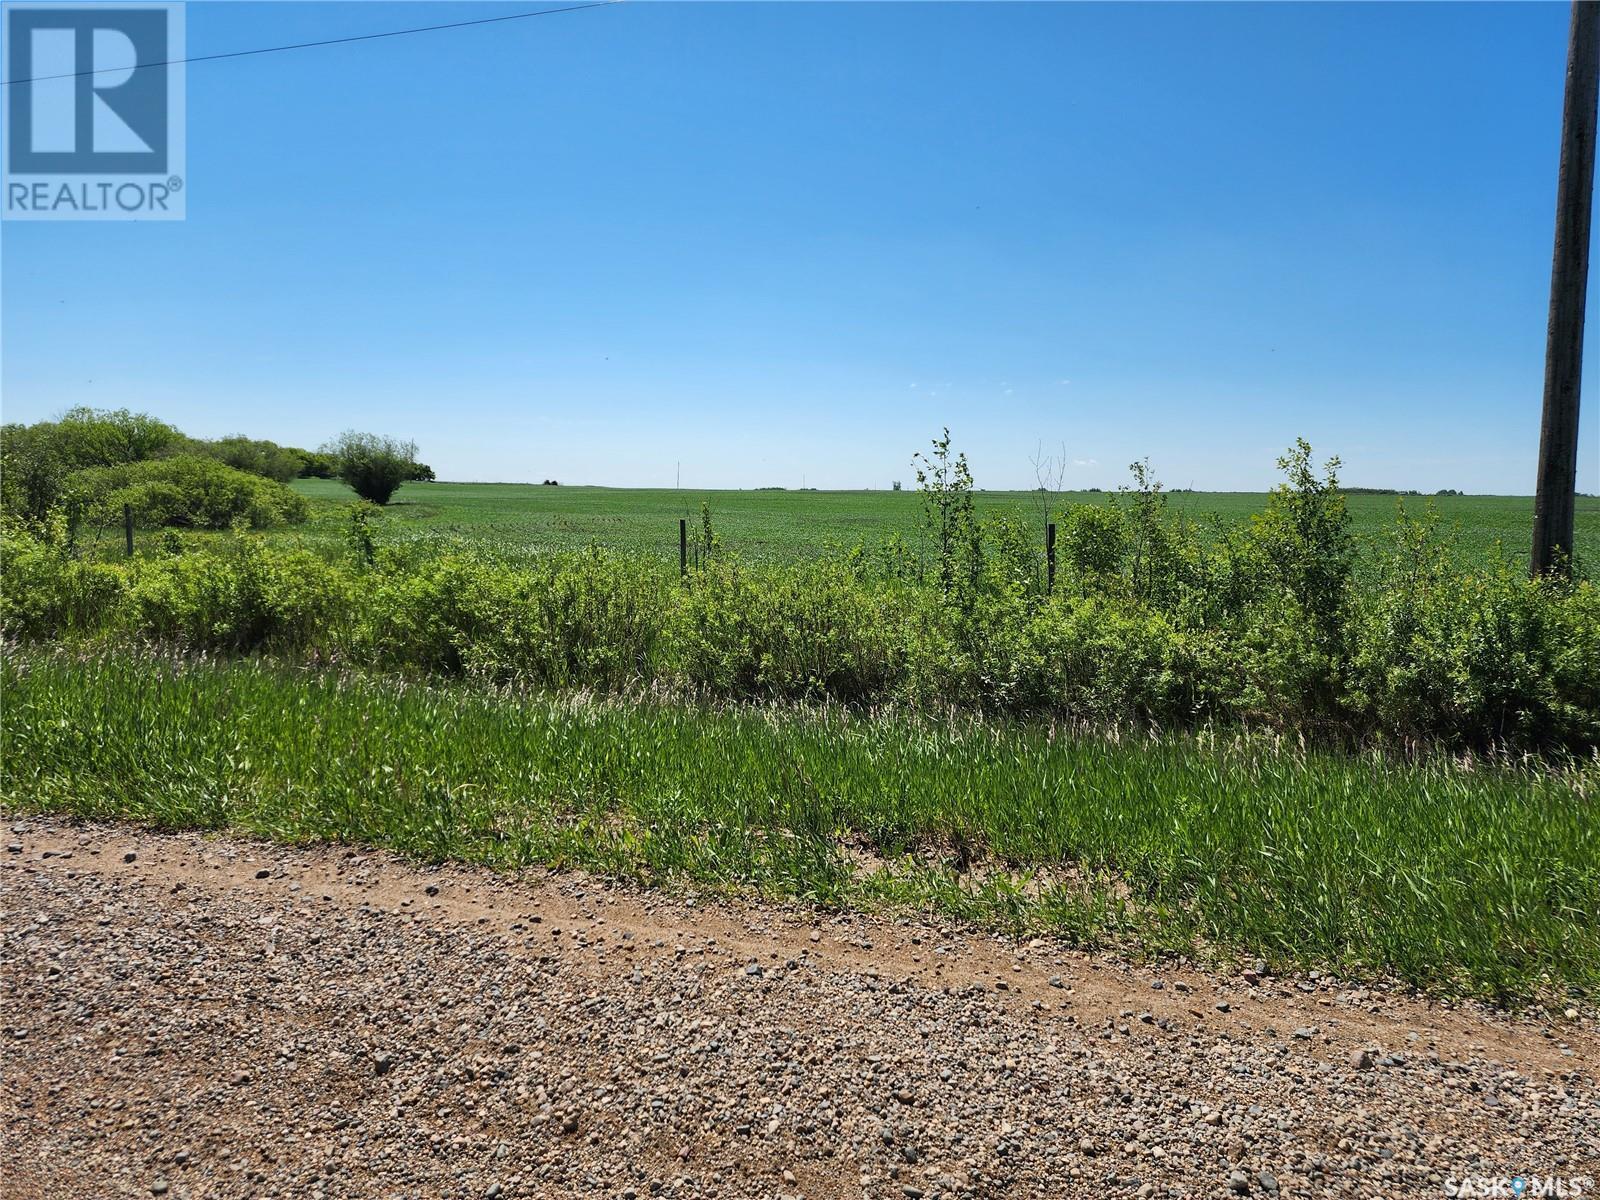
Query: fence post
point(1050, 557)
point(683, 546)
point(127, 527)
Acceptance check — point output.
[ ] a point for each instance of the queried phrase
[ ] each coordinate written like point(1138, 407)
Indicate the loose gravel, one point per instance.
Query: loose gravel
point(192, 1016)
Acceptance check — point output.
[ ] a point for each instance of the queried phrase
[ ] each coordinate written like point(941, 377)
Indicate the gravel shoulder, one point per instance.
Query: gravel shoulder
point(189, 1015)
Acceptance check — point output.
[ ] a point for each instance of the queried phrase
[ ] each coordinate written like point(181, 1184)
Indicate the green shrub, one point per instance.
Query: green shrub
point(1488, 658)
point(1093, 542)
point(37, 460)
point(252, 598)
point(1151, 622)
point(810, 631)
point(187, 491)
point(375, 466)
point(254, 456)
point(45, 592)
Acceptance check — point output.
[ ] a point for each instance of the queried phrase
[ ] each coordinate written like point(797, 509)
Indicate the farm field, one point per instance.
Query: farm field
point(786, 526)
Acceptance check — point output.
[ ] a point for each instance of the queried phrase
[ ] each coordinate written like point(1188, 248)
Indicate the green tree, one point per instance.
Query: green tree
point(374, 465)
point(945, 481)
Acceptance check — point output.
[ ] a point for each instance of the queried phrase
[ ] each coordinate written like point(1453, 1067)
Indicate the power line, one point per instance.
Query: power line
point(362, 37)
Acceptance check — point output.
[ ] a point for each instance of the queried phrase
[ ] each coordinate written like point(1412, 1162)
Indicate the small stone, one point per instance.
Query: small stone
point(815, 935)
point(240, 1078)
point(1223, 1006)
point(1267, 1181)
point(158, 1187)
point(1055, 981)
point(1238, 1183)
point(263, 873)
point(754, 969)
point(1361, 1060)
point(569, 1123)
point(129, 857)
point(433, 890)
point(382, 1062)
point(1305, 1032)
point(14, 848)
point(493, 1190)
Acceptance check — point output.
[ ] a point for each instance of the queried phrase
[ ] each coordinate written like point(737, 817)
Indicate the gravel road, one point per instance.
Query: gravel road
point(192, 1016)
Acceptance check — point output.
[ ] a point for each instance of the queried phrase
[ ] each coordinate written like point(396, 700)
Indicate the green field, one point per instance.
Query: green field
point(791, 525)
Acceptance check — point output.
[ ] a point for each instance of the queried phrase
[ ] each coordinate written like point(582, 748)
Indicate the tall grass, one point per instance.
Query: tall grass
point(1481, 879)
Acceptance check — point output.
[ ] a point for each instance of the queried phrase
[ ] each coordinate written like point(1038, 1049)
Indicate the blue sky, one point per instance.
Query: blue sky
point(783, 241)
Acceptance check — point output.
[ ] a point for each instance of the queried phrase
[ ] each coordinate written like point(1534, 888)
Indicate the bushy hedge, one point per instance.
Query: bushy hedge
point(188, 491)
point(1155, 625)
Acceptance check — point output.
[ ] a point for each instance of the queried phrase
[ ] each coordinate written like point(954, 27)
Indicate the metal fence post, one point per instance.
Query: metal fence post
point(1050, 557)
point(127, 527)
point(683, 546)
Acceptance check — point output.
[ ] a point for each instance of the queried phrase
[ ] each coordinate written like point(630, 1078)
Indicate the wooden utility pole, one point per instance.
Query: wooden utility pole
point(1569, 283)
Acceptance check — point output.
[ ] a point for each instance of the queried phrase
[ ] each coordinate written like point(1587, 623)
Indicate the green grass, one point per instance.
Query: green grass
point(785, 526)
point(1483, 880)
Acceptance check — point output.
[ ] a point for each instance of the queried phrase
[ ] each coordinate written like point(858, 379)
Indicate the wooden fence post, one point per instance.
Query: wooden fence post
point(127, 527)
point(683, 546)
point(1050, 557)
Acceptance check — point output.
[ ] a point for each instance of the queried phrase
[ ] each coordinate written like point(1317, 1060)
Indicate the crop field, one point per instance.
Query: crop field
point(786, 526)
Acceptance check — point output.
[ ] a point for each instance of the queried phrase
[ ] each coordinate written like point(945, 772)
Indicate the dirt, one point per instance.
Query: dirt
point(189, 1015)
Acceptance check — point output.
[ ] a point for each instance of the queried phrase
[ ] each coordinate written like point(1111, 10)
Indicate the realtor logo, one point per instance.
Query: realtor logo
point(94, 108)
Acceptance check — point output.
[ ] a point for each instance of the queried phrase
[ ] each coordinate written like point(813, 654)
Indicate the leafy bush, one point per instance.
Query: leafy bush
point(1093, 542)
point(37, 460)
point(375, 466)
point(251, 598)
point(1150, 622)
point(46, 592)
point(186, 491)
point(811, 631)
point(255, 456)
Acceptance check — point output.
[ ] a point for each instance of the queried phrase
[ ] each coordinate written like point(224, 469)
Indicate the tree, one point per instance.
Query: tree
point(945, 482)
point(374, 465)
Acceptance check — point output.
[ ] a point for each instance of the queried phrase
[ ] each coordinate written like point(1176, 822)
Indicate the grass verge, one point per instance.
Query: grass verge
point(1457, 878)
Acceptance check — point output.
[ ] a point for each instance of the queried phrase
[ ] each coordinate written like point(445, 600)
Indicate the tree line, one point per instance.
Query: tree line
point(90, 464)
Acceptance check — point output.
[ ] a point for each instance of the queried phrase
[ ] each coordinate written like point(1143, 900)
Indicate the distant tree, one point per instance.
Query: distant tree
point(37, 460)
point(315, 464)
point(374, 465)
point(895, 486)
point(421, 473)
point(92, 437)
point(31, 470)
point(254, 455)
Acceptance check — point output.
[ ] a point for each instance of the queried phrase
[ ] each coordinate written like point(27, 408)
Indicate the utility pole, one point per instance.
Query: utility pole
point(1569, 282)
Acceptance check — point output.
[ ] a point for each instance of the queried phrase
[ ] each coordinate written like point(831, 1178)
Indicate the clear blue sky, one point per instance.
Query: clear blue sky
point(775, 241)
